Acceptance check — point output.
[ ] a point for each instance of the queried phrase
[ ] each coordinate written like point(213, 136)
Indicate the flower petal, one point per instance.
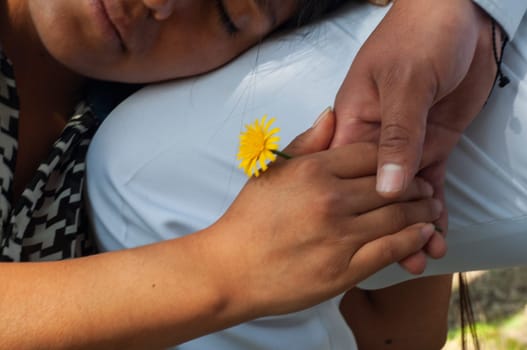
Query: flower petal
point(256, 144)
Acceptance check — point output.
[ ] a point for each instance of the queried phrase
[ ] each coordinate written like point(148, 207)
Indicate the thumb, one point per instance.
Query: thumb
point(315, 139)
point(402, 134)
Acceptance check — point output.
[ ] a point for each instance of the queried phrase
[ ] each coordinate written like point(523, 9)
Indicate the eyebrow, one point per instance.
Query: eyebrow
point(269, 8)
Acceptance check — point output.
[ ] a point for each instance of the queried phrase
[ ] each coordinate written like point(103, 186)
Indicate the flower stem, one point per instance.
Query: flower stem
point(281, 154)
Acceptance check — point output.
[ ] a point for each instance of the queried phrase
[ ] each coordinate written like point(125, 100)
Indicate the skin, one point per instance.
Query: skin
point(409, 316)
point(134, 299)
point(340, 245)
point(428, 83)
point(414, 100)
point(165, 36)
point(172, 35)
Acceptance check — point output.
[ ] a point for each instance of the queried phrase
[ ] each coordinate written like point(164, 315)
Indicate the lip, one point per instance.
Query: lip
point(105, 23)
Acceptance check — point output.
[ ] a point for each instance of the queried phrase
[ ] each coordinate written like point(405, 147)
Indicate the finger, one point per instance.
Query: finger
point(357, 108)
point(435, 174)
point(161, 9)
point(387, 250)
point(415, 263)
point(351, 161)
point(362, 197)
point(436, 248)
point(394, 217)
point(315, 139)
point(405, 103)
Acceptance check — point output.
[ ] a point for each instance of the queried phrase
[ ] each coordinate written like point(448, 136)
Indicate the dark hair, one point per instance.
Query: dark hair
point(311, 10)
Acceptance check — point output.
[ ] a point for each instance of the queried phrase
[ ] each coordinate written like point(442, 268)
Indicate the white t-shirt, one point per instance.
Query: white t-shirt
point(508, 13)
point(164, 165)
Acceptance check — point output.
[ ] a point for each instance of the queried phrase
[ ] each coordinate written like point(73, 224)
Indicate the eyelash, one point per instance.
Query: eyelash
point(225, 19)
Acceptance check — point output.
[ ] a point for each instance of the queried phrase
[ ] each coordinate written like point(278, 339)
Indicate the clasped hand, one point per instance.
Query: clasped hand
point(313, 226)
point(415, 85)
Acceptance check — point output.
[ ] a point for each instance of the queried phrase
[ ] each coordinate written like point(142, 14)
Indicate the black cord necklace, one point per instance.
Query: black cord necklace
point(502, 79)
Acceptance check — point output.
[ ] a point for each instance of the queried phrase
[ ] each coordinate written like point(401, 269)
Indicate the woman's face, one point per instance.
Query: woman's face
point(152, 40)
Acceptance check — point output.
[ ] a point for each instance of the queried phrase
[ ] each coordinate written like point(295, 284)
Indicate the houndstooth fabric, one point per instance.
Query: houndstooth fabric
point(48, 221)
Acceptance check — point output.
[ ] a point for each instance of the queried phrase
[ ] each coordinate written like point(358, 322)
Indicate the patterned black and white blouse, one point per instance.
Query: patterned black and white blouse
point(48, 221)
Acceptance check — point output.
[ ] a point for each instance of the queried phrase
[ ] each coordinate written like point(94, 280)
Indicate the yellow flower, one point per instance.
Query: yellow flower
point(258, 145)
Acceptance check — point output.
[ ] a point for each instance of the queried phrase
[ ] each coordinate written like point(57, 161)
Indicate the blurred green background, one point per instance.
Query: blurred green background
point(499, 299)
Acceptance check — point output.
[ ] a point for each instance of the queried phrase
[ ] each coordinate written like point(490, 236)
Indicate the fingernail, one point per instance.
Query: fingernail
point(427, 231)
point(162, 11)
point(322, 116)
point(428, 190)
point(438, 206)
point(390, 178)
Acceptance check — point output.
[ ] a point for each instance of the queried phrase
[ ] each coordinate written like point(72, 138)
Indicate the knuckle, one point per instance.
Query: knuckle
point(404, 72)
point(308, 167)
point(398, 216)
point(389, 251)
point(395, 138)
point(328, 203)
point(392, 76)
point(398, 74)
point(333, 199)
point(335, 270)
point(417, 75)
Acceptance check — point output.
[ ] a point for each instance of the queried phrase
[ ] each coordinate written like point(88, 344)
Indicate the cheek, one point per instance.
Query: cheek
point(186, 61)
point(175, 61)
point(51, 27)
point(62, 27)
point(177, 56)
point(198, 59)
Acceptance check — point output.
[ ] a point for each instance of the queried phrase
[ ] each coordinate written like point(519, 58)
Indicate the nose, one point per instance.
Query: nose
point(161, 9)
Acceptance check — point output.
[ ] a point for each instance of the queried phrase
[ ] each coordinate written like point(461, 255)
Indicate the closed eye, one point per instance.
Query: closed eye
point(225, 19)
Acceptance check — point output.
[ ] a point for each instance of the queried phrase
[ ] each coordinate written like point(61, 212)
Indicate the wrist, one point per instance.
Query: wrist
point(226, 274)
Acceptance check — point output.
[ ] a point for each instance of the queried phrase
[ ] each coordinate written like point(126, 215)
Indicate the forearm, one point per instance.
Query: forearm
point(411, 315)
point(144, 298)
